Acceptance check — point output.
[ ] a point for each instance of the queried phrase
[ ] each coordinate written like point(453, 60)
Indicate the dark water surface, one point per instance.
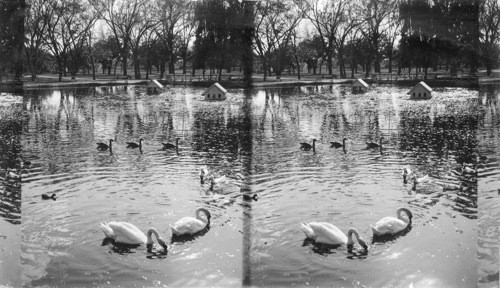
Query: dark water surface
point(252, 138)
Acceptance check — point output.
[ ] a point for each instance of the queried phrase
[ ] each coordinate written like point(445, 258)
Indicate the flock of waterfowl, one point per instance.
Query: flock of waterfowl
point(127, 233)
point(320, 232)
point(327, 233)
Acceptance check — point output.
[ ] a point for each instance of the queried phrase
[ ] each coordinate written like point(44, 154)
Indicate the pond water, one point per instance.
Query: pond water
point(253, 138)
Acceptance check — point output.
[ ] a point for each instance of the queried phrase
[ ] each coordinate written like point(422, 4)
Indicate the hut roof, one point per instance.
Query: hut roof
point(422, 83)
point(218, 86)
point(359, 80)
point(155, 83)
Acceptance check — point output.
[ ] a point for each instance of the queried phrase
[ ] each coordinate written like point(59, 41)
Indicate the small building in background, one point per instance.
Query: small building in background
point(420, 91)
point(359, 86)
point(215, 92)
point(154, 86)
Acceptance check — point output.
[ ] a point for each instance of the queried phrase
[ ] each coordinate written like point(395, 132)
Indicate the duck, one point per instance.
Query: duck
point(391, 225)
point(338, 144)
point(406, 173)
point(103, 146)
point(326, 233)
point(247, 197)
point(47, 196)
point(170, 145)
point(371, 145)
point(306, 146)
point(128, 233)
point(417, 180)
point(134, 145)
point(11, 174)
point(191, 225)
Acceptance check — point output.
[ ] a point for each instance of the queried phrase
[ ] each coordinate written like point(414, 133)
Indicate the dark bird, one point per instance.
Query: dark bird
point(338, 144)
point(170, 145)
point(374, 144)
point(47, 197)
point(248, 197)
point(306, 146)
point(103, 146)
point(134, 145)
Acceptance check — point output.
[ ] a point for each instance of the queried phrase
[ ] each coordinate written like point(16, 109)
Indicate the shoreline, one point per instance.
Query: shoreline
point(468, 83)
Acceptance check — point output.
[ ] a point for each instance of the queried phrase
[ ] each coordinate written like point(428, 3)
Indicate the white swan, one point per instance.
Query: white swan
point(392, 225)
point(11, 174)
point(326, 233)
point(220, 181)
point(191, 225)
point(406, 172)
point(204, 172)
point(467, 170)
point(417, 180)
point(127, 233)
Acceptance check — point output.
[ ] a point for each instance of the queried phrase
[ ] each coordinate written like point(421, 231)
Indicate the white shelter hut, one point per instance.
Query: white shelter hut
point(215, 92)
point(420, 91)
point(359, 86)
point(154, 86)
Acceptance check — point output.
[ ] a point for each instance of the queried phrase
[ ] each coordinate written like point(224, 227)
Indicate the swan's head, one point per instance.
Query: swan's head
point(363, 244)
point(163, 245)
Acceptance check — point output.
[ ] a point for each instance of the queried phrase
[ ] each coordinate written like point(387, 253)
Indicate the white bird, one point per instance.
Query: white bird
point(326, 233)
point(417, 180)
point(191, 225)
point(127, 233)
point(406, 172)
point(10, 174)
point(220, 181)
point(467, 170)
point(392, 225)
point(204, 173)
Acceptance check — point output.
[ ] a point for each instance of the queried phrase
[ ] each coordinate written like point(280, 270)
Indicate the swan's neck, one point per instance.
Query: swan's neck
point(350, 241)
point(207, 214)
point(211, 185)
point(158, 238)
point(414, 184)
point(408, 213)
point(202, 181)
point(152, 231)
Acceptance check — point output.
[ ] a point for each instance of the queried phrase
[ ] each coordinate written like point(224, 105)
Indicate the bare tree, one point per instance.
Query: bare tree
point(122, 17)
point(376, 19)
point(275, 24)
point(489, 24)
point(67, 33)
point(327, 17)
point(39, 13)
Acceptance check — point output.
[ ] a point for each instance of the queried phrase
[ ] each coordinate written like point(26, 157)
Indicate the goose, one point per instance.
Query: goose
point(191, 225)
point(170, 145)
point(306, 146)
point(127, 233)
point(338, 144)
point(406, 172)
point(249, 198)
point(23, 163)
point(371, 145)
point(11, 174)
point(134, 145)
point(47, 196)
point(392, 225)
point(103, 146)
point(417, 180)
point(326, 233)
